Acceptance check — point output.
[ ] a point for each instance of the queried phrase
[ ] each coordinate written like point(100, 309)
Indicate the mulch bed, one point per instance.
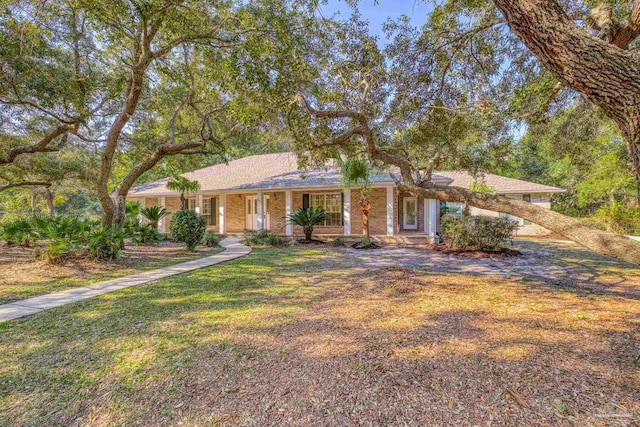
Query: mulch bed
point(370, 245)
point(474, 253)
point(311, 242)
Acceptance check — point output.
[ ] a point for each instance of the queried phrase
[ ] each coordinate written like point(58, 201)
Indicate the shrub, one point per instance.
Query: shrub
point(59, 250)
point(188, 228)
point(308, 218)
point(140, 234)
point(338, 242)
point(106, 243)
point(153, 214)
point(19, 232)
point(211, 240)
point(263, 238)
point(477, 232)
point(619, 218)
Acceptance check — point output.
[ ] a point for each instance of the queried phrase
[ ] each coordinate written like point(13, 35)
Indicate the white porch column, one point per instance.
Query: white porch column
point(390, 205)
point(221, 225)
point(287, 208)
point(347, 212)
point(162, 223)
point(260, 212)
point(198, 204)
point(432, 221)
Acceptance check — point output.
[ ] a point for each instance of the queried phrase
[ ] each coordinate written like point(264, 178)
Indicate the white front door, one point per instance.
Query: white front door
point(252, 212)
point(410, 213)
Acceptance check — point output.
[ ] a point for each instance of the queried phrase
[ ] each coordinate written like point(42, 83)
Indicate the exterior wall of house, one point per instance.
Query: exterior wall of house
point(277, 211)
point(150, 202)
point(377, 213)
point(296, 203)
point(540, 199)
point(235, 213)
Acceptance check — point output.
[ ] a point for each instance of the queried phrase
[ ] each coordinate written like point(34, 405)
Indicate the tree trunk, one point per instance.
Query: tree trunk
point(183, 202)
point(113, 137)
point(120, 210)
point(573, 229)
point(308, 232)
point(605, 74)
point(365, 206)
point(50, 206)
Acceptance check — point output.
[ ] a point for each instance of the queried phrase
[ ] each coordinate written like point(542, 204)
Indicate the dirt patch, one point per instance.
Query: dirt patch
point(474, 253)
point(311, 242)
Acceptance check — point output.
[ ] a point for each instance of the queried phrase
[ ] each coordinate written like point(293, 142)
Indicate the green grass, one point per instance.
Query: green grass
point(129, 342)
point(81, 275)
point(297, 336)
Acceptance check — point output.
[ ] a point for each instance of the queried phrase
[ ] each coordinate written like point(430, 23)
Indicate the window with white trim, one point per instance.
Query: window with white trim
point(332, 205)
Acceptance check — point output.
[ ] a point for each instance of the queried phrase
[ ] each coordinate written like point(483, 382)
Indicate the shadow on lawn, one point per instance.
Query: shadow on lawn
point(257, 342)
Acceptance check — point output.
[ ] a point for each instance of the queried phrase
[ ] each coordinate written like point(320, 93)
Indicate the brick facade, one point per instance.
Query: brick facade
point(377, 212)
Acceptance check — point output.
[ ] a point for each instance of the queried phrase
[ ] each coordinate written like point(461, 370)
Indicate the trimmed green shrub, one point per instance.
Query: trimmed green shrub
point(211, 240)
point(619, 218)
point(477, 232)
point(263, 238)
point(188, 228)
point(308, 218)
point(106, 243)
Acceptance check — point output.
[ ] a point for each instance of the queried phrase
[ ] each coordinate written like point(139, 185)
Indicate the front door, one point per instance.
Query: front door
point(410, 213)
point(252, 212)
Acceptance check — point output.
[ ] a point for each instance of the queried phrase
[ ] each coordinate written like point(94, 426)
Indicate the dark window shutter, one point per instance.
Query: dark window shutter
point(213, 218)
point(342, 208)
point(305, 201)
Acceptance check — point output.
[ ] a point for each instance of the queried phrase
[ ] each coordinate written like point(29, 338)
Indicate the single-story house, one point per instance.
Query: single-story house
point(259, 192)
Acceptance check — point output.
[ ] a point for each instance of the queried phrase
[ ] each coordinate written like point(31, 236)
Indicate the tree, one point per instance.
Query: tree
point(184, 186)
point(374, 105)
point(307, 219)
point(356, 172)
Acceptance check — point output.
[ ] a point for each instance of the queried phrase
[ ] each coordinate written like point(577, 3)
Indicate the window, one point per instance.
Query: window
point(331, 203)
point(191, 204)
point(209, 210)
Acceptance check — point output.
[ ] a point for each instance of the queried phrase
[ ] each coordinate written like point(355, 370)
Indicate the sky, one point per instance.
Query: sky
point(377, 12)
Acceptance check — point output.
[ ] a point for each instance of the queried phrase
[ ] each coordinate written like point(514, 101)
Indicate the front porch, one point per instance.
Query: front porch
point(392, 214)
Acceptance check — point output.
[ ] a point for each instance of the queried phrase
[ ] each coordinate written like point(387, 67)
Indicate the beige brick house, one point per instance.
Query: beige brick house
point(259, 192)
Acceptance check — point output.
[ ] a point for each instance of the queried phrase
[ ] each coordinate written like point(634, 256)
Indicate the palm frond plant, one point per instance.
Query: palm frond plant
point(184, 186)
point(153, 214)
point(307, 219)
point(355, 172)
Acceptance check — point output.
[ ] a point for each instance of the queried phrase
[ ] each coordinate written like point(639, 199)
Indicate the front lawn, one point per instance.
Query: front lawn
point(337, 337)
point(23, 276)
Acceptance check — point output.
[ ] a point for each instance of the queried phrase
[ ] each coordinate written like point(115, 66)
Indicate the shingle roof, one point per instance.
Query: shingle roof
point(280, 170)
point(501, 184)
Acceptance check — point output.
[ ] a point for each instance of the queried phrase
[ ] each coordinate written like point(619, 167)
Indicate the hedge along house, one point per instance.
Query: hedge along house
point(260, 192)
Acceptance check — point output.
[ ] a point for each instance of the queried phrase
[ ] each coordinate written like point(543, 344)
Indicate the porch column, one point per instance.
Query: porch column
point(390, 211)
point(161, 224)
point(346, 209)
point(433, 217)
point(198, 204)
point(221, 225)
point(260, 212)
point(287, 209)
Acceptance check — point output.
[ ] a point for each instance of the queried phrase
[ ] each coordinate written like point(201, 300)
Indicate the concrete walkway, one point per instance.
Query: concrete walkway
point(233, 249)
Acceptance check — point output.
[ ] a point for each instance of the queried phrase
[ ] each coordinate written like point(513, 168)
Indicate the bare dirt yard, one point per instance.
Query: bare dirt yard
point(22, 276)
point(341, 337)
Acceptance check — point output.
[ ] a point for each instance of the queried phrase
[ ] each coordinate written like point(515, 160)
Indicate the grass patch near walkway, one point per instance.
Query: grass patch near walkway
point(24, 277)
point(309, 336)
